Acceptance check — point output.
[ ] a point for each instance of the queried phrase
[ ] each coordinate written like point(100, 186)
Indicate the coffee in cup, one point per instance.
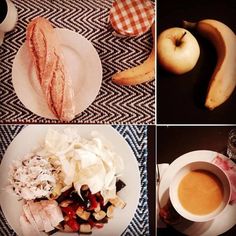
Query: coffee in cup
point(200, 192)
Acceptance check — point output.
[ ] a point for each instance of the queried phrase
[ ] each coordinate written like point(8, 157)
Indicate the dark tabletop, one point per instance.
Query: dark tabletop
point(180, 99)
point(151, 169)
point(172, 142)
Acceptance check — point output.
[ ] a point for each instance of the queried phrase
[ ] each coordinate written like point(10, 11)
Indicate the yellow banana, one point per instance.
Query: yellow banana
point(223, 80)
point(141, 73)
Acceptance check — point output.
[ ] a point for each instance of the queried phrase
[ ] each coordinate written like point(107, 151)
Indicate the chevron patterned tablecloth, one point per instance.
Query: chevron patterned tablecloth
point(114, 104)
point(136, 136)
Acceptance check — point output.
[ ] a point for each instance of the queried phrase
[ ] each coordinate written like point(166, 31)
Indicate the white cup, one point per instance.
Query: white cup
point(9, 21)
point(199, 165)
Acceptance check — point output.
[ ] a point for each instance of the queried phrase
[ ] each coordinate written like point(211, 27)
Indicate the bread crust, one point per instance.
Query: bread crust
point(47, 57)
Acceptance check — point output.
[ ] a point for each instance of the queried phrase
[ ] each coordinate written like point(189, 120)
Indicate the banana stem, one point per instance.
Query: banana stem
point(189, 25)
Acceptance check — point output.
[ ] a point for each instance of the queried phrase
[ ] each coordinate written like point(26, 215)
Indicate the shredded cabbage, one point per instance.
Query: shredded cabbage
point(80, 161)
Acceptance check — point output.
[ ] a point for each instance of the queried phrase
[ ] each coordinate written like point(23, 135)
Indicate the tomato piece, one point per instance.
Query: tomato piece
point(72, 223)
point(93, 201)
point(100, 199)
point(99, 226)
point(69, 211)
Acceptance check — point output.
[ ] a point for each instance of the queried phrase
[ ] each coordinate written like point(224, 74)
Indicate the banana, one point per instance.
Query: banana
point(141, 73)
point(223, 80)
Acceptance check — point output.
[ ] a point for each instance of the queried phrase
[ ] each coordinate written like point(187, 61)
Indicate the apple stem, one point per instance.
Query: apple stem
point(178, 41)
point(183, 35)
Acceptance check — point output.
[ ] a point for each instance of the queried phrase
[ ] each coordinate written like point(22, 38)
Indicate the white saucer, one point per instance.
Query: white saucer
point(221, 224)
point(84, 67)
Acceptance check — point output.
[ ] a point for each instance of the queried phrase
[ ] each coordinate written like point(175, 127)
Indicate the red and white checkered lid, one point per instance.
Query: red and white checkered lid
point(132, 17)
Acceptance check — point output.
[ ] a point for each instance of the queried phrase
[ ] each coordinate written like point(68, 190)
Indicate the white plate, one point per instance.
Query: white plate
point(221, 224)
point(31, 136)
point(84, 67)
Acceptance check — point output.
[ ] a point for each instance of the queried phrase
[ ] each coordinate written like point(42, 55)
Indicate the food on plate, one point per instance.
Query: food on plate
point(200, 192)
point(33, 177)
point(84, 211)
point(44, 215)
point(46, 54)
point(141, 73)
point(177, 50)
point(69, 183)
point(222, 83)
point(229, 167)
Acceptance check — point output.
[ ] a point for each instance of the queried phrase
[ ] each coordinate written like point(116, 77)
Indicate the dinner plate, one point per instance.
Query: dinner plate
point(83, 65)
point(221, 224)
point(32, 136)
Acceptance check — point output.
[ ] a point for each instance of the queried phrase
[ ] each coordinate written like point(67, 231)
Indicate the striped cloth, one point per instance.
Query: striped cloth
point(114, 104)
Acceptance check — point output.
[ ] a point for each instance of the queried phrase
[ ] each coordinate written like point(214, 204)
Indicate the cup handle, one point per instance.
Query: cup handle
point(1, 37)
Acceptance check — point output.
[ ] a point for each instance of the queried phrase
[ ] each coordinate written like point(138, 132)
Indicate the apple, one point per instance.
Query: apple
point(177, 50)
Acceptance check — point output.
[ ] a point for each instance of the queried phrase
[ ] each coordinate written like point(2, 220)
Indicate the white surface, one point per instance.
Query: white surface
point(31, 136)
point(83, 65)
point(202, 165)
point(221, 224)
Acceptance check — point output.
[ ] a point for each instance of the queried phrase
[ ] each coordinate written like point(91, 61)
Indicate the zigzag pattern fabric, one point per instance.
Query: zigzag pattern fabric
point(136, 136)
point(114, 104)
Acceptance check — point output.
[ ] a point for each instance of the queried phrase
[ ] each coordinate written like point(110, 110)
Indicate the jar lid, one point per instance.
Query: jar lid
point(132, 17)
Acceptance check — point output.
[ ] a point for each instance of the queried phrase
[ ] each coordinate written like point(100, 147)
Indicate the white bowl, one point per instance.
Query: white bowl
point(199, 165)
